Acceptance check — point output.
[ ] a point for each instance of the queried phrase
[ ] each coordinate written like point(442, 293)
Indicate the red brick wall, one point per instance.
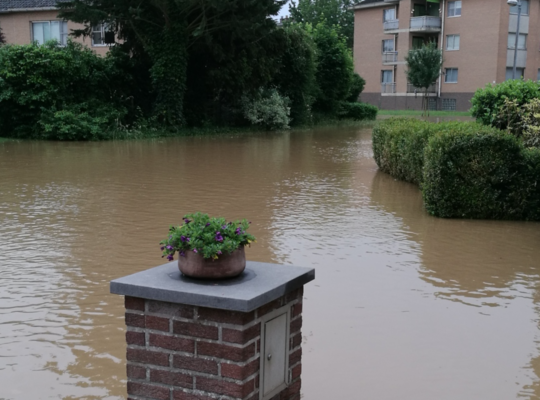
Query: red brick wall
point(183, 352)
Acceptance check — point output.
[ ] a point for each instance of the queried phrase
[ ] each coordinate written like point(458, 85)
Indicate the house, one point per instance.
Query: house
point(27, 21)
point(477, 38)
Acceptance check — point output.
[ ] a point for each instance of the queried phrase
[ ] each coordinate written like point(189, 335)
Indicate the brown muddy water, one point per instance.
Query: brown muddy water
point(405, 306)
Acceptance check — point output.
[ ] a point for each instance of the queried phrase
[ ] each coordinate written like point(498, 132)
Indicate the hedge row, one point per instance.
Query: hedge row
point(357, 111)
point(465, 170)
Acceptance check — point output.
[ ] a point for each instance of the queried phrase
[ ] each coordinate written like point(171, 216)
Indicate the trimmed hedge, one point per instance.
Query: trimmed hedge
point(465, 170)
point(357, 111)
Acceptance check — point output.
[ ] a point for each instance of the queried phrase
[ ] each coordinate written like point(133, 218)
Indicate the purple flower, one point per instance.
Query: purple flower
point(224, 227)
point(219, 252)
point(187, 221)
point(184, 239)
point(208, 224)
point(238, 231)
point(182, 253)
point(195, 251)
point(162, 248)
point(170, 257)
point(219, 238)
point(169, 247)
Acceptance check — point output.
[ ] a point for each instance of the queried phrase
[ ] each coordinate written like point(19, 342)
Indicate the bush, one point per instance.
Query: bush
point(532, 181)
point(357, 87)
point(487, 102)
point(476, 175)
point(398, 147)
point(44, 87)
point(357, 111)
point(522, 122)
point(267, 108)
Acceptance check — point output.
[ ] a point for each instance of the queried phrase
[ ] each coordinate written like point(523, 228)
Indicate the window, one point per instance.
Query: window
point(101, 35)
point(538, 76)
point(417, 42)
point(389, 14)
point(452, 42)
point(387, 76)
point(388, 45)
point(50, 30)
point(522, 41)
point(449, 104)
point(451, 75)
point(524, 8)
point(520, 72)
point(454, 8)
point(432, 104)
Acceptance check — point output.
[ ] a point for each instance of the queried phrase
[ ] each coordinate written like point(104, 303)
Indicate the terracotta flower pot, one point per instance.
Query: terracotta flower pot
point(226, 266)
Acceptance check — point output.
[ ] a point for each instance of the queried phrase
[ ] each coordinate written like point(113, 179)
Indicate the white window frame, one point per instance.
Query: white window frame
point(453, 37)
point(63, 35)
point(387, 70)
point(512, 41)
point(514, 9)
point(454, 4)
point(446, 75)
point(394, 46)
point(388, 9)
point(102, 32)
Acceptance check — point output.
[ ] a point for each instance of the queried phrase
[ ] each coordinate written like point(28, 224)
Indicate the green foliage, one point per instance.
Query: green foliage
point(357, 86)
point(478, 175)
point(43, 87)
point(487, 102)
point(208, 236)
point(357, 111)
point(296, 78)
point(398, 147)
point(334, 71)
point(267, 108)
point(522, 122)
point(465, 170)
point(2, 37)
point(331, 12)
point(424, 65)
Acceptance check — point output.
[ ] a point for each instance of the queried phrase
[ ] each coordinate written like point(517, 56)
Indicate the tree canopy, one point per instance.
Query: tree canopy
point(424, 67)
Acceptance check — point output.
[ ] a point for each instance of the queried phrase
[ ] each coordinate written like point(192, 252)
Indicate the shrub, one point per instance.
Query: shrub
point(522, 122)
point(357, 111)
point(470, 174)
point(398, 147)
point(486, 102)
point(532, 181)
point(267, 108)
point(43, 87)
point(357, 87)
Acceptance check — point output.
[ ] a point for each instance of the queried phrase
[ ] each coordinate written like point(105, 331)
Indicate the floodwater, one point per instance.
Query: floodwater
point(404, 306)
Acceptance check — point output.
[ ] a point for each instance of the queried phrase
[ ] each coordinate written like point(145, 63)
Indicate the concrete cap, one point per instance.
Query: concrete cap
point(258, 285)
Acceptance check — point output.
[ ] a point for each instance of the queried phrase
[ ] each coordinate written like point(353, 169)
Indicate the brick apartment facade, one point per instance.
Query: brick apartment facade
point(25, 21)
point(477, 38)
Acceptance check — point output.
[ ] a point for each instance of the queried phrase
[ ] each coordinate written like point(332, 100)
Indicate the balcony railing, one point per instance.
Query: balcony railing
point(425, 23)
point(391, 25)
point(389, 87)
point(413, 89)
point(389, 57)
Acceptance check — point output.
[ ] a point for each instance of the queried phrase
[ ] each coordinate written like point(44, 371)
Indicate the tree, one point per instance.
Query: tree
point(334, 69)
point(423, 68)
point(161, 32)
point(335, 13)
point(2, 37)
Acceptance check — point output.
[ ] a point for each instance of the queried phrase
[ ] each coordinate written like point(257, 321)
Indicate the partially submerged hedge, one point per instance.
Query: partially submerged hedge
point(465, 170)
point(357, 111)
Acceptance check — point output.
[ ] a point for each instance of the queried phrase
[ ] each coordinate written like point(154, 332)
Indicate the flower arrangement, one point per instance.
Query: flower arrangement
point(208, 236)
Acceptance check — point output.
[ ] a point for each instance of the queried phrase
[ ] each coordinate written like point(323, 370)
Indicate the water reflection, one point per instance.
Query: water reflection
point(404, 305)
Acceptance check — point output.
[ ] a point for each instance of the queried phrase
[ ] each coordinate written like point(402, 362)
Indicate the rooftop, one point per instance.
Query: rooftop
point(19, 5)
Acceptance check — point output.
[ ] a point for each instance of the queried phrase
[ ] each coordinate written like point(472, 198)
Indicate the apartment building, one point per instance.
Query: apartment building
point(27, 21)
point(477, 38)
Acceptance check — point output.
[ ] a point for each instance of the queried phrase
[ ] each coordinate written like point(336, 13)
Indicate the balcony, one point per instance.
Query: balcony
point(425, 24)
point(413, 89)
point(389, 57)
point(388, 87)
point(391, 25)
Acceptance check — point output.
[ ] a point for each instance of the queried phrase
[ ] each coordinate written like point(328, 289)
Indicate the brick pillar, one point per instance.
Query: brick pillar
point(183, 352)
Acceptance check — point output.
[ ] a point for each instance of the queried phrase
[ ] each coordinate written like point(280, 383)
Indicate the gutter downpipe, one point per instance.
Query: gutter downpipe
point(442, 48)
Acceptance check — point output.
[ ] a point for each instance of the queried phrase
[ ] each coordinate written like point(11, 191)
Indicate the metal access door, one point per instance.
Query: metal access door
point(275, 353)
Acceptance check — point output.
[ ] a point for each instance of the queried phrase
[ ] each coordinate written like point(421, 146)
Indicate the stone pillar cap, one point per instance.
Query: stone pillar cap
point(258, 285)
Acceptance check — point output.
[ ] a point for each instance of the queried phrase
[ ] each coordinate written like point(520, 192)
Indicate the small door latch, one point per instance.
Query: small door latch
point(268, 357)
